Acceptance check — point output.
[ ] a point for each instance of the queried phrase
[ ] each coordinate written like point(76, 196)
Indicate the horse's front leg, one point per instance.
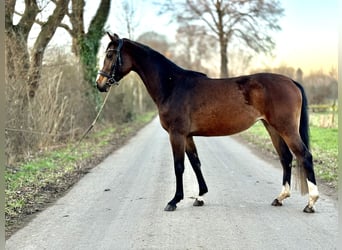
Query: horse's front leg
point(191, 152)
point(178, 148)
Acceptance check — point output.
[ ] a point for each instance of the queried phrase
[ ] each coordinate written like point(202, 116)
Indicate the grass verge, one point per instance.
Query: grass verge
point(324, 148)
point(31, 185)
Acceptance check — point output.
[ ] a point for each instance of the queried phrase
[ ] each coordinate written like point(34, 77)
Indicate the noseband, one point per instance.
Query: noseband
point(117, 62)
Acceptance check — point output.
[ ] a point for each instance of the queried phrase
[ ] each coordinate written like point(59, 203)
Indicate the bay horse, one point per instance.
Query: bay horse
point(192, 104)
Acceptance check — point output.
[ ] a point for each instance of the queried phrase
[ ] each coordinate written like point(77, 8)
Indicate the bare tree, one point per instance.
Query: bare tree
point(193, 48)
point(130, 17)
point(321, 88)
point(21, 66)
point(155, 40)
point(246, 21)
point(299, 75)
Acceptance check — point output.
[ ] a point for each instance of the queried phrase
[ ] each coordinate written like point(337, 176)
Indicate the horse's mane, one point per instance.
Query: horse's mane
point(165, 61)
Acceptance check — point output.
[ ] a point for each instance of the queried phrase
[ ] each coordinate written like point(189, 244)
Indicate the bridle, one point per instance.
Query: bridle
point(117, 62)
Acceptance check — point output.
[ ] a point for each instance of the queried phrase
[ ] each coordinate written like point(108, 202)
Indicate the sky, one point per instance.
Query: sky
point(309, 36)
point(308, 39)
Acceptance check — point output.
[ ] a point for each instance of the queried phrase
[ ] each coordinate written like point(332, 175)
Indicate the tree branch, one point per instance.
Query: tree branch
point(67, 28)
point(248, 20)
point(28, 18)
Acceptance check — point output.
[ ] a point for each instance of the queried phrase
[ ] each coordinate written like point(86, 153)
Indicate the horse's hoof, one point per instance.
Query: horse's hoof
point(276, 203)
point(308, 209)
point(198, 203)
point(170, 208)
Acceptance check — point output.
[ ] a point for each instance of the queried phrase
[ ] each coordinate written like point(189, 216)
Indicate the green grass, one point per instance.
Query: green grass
point(146, 117)
point(324, 139)
point(24, 183)
point(324, 148)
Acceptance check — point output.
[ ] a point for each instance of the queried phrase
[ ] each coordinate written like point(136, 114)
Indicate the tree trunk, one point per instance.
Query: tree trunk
point(222, 39)
point(223, 54)
point(86, 45)
point(17, 55)
point(250, 22)
point(224, 60)
point(44, 37)
point(76, 19)
point(19, 66)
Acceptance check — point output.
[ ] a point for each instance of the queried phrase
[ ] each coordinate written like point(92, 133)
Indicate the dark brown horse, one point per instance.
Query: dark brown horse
point(192, 104)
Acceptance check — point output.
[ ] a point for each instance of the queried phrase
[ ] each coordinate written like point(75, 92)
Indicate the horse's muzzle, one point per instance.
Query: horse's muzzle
point(102, 84)
point(103, 88)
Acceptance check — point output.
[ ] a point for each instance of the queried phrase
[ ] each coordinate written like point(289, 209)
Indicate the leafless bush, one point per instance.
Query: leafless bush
point(62, 108)
point(127, 100)
point(48, 112)
point(57, 112)
point(321, 88)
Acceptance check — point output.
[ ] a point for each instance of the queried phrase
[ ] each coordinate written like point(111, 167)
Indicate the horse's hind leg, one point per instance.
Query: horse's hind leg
point(191, 152)
point(305, 170)
point(286, 161)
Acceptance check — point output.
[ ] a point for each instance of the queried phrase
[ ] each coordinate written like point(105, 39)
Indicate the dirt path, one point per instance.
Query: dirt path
point(119, 204)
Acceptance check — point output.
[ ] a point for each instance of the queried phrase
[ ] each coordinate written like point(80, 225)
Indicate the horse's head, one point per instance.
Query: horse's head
point(115, 67)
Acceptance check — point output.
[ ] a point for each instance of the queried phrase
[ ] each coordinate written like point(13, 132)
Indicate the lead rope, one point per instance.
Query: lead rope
point(93, 124)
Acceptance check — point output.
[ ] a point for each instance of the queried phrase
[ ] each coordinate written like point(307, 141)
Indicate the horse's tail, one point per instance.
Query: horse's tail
point(304, 118)
point(304, 134)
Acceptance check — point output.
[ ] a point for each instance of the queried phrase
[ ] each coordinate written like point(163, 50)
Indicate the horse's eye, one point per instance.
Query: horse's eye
point(109, 55)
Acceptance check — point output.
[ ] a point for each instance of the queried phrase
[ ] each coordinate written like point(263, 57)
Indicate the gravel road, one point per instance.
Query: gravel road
point(120, 204)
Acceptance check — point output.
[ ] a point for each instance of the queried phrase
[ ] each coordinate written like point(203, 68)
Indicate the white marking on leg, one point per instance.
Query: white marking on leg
point(313, 193)
point(198, 201)
point(200, 198)
point(285, 192)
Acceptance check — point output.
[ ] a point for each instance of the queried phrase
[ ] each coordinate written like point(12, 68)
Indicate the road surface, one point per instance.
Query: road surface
point(119, 204)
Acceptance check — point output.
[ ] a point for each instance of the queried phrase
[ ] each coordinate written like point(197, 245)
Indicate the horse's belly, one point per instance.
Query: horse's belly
point(219, 123)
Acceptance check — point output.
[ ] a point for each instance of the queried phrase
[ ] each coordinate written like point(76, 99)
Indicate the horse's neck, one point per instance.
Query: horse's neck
point(152, 72)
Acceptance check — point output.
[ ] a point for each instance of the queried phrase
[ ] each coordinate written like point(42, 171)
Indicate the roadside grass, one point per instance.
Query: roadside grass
point(323, 143)
point(32, 184)
point(324, 147)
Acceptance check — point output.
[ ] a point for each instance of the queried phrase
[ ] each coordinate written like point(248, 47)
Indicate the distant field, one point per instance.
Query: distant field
point(324, 119)
point(324, 144)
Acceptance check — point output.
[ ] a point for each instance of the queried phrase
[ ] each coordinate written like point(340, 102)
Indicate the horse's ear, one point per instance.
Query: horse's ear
point(110, 36)
point(113, 37)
